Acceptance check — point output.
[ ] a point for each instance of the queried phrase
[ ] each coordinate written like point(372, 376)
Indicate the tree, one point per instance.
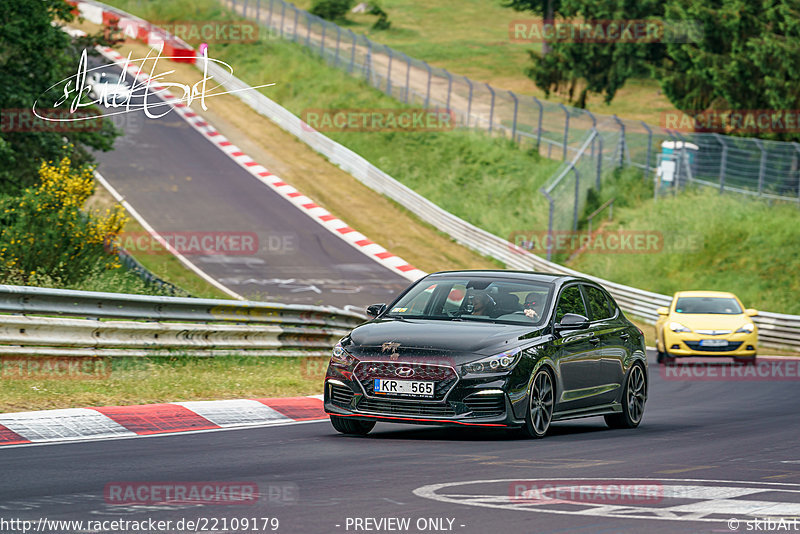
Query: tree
point(747, 59)
point(331, 9)
point(35, 55)
point(599, 65)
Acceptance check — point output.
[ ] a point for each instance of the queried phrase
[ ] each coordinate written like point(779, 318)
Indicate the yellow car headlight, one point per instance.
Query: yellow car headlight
point(747, 328)
point(678, 327)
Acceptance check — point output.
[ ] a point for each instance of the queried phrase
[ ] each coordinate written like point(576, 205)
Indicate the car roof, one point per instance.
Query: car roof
point(509, 274)
point(719, 294)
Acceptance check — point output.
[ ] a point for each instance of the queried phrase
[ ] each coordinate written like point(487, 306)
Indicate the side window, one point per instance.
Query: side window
point(570, 301)
point(598, 303)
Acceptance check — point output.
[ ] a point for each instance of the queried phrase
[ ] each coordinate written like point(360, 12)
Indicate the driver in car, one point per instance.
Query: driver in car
point(482, 304)
point(529, 308)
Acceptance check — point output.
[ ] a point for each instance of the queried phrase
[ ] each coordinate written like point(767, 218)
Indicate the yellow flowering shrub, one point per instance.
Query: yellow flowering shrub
point(46, 233)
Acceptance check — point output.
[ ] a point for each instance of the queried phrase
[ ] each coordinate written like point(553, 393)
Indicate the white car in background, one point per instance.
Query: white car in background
point(108, 89)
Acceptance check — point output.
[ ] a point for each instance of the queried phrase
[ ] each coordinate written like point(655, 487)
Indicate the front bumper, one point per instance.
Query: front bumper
point(689, 344)
point(466, 404)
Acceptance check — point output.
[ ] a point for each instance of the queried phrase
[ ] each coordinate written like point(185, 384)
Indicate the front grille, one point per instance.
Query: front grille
point(730, 347)
point(445, 377)
point(341, 395)
point(485, 405)
point(393, 407)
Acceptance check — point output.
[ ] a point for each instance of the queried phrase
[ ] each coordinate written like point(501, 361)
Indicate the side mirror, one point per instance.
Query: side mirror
point(663, 310)
point(751, 312)
point(572, 321)
point(374, 310)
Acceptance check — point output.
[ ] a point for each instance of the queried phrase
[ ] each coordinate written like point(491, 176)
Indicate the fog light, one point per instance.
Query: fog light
point(750, 347)
point(675, 346)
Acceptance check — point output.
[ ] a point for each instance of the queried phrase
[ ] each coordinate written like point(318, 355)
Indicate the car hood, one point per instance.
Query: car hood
point(419, 336)
point(710, 321)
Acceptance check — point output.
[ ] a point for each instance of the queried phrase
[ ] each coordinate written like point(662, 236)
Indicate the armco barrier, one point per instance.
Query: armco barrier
point(775, 330)
point(112, 324)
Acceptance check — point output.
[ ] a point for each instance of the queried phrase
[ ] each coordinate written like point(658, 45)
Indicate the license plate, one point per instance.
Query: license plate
point(713, 343)
point(386, 386)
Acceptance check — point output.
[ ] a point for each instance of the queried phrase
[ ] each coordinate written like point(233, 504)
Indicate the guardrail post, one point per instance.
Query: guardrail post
point(622, 141)
point(389, 73)
point(723, 162)
point(649, 149)
point(762, 165)
point(469, 102)
point(577, 197)
point(514, 123)
point(539, 127)
point(491, 108)
point(352, 52)
point(449, 88)
point(551, 204)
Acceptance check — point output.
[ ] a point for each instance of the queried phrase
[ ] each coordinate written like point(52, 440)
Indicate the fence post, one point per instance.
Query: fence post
point(761, 165)
point(622, 141)
point(352, 52)
point(469, 102)
point(408, 76)
point(649, 149)
point(308, 26)
point(389, 72)
point(599, 178)
point(491, 108)
point(283, 17)
point(594, 126)
point(430, 75)
point(368, 62)
point(271, 11)
point(566, 130)
point(723, 162)
point(577, 196)
point(296, 16)
point(322, 40)
point(449, 88)
point(244, 8)
point(539, 127)
point(551, 205)
point(797, 170)
point(338, 40)
point(514, 123)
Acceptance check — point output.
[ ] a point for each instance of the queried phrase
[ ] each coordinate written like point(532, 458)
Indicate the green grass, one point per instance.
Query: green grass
point(163, 379)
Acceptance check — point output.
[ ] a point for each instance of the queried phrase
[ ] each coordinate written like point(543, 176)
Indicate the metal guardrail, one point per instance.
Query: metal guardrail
point(66, 322)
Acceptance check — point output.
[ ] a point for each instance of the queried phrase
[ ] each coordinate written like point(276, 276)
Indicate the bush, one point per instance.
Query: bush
point(331, 9)
point(47, 238)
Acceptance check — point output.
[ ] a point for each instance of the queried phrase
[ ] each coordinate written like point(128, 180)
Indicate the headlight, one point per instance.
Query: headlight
point(340, 357)
point(747, 328)
point(505, 361)
point(678, 327)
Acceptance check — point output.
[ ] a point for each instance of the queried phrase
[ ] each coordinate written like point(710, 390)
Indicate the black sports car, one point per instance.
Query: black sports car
point(490, 348)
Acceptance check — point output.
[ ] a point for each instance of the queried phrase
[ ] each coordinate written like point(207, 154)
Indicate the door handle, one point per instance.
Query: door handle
point(594, 340)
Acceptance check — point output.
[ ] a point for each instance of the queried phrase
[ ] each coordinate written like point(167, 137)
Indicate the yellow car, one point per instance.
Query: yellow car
point(706, 323)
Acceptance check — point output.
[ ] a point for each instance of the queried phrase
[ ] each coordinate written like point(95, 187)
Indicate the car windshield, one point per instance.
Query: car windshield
point(713, 305)
point(108, 77)
point(513, 301)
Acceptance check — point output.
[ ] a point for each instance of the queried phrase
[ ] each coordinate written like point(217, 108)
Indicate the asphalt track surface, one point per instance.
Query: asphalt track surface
point(313, 479)
point(183, 185)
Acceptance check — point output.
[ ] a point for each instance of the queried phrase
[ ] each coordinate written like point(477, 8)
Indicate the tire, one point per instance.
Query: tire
point(664, 358)
point(353, 427)
point(747, 360)
point(540, 405)
point(634, 397)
